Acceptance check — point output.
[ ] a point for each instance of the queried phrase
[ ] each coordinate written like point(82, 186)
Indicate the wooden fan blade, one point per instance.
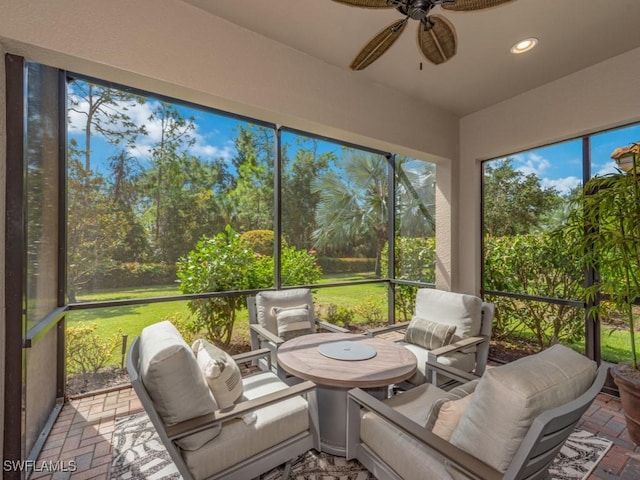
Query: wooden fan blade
point(468, 5)
point(378, 45)
point(438, 42)
point(366, 3)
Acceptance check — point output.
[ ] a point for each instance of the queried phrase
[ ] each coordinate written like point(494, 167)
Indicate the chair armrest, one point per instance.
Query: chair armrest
point(389, 328)
point(331, 327)
point(266, 334)
point(432, 366)
point(252, 355)
point(203, 422)
point(459, 458)
point(459, 345)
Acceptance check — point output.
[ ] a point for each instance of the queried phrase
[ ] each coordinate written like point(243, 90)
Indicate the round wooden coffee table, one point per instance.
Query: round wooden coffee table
point(301, 357)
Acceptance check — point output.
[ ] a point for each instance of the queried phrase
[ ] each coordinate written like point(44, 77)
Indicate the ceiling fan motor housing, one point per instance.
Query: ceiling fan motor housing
point(416, 9)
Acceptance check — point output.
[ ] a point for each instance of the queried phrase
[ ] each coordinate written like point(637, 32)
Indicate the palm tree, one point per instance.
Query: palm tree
point(353, 208)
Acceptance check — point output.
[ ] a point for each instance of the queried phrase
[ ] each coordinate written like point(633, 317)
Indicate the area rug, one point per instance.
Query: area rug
point(139, 454)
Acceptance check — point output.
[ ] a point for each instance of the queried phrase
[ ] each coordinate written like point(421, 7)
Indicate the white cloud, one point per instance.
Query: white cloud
point(531, 163)
point(140, 115)
point(608, 167)
point(562, 185)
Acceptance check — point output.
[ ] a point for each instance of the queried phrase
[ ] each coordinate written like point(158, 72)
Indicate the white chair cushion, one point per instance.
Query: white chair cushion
point(409, 458)
point(171, 376)
point(509, 397)
point(239, 441)
point(428, 334)
point(293, 321)
point(220, 371)
point(265, 301)
point(460, 360)
point(463, 311)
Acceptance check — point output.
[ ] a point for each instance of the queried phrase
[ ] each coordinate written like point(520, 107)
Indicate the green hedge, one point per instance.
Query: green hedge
point(135, 275)
point(346, 265)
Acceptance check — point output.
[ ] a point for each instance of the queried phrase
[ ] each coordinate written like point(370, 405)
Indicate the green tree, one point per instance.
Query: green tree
point(299, 199)
point(105, 112)
point(252, 189)
point(514, 203)
point(95, 229)
point(353, 207)
point(415, 198)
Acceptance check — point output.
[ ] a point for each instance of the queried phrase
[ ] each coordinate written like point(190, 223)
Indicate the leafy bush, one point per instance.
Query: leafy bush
point(347, 265)
point(415, 260)
point(133, 274)
point(226, 263)
point(371, 310)
point(339, 315)
point(260, 241)
point(86, 351)
point(535, 265)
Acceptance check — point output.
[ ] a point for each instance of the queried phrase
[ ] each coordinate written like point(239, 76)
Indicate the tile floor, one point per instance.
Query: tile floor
point(84, 428)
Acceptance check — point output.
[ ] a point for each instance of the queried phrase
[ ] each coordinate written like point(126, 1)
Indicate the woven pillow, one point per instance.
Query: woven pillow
point(220, 371)
point(454, 394)
point(449, 416)
point(428, 334)
point(293, 321)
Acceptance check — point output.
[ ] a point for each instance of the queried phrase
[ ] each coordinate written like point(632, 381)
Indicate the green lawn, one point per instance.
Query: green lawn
point(130, 320)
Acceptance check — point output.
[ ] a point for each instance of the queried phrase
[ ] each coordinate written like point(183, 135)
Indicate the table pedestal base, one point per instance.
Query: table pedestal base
point(332, 410)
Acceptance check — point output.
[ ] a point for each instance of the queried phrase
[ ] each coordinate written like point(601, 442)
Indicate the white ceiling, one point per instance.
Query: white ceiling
point(573, 34)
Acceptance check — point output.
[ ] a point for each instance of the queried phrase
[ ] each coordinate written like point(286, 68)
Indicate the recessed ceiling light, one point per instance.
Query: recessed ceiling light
point(524, 45)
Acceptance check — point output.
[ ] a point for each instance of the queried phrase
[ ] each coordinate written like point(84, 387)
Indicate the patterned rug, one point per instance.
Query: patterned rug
point(139, 454)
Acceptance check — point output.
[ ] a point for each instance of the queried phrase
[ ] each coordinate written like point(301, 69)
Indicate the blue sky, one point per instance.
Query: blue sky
point(558, 165)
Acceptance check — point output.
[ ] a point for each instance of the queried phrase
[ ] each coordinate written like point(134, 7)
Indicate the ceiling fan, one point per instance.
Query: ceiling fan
point(436, 35)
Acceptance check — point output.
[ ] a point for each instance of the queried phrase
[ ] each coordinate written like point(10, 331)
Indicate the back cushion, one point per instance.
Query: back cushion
point(266, 301)
point(171, 376)
point(508, 398)
point(463, 311)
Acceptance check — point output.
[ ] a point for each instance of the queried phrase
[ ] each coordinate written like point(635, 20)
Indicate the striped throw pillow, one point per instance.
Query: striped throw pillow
point(454, 394)
point(428, 334)
point(293, 321)
point(220, 371)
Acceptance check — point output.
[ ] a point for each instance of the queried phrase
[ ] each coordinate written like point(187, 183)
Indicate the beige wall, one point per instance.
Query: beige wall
point(599, 97)
point(3, 163)
point(173, 48)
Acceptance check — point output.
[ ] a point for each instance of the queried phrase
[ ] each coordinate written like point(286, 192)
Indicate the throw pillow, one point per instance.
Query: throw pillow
point(220, 371)
point(461, 391)
point(449, 416)
point(428, 334)
point(293, 321)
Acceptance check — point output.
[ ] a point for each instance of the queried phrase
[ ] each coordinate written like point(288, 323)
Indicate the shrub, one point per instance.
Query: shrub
point(86, 351)
point(535, 265)
point(347, 265)
point(371, 310)
point(133, 274)
point(225, 263)
point(339, 315)
point(260, 241)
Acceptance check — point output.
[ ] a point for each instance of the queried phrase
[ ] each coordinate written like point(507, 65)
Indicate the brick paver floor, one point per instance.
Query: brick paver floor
point(85, 426)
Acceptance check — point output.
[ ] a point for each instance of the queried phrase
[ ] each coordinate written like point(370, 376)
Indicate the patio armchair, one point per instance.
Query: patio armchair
point(508, 424)
point(449, 328)
point(211, 436)
point(276, 316)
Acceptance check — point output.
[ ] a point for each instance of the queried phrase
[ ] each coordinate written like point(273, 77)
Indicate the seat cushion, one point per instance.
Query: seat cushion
point(460, 360)
point(508, 398)
point(428, 334)
point(266, 301)
point(239, 441)
point(172, 378)
point(220, 371)
point(463, 311)
point(409, 458)
point(293, 321)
